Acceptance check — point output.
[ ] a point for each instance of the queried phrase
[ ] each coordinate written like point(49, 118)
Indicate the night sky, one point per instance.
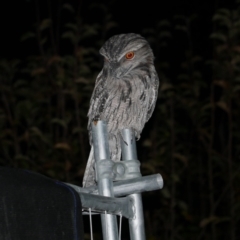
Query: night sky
point(18, 17)
point(40, 91)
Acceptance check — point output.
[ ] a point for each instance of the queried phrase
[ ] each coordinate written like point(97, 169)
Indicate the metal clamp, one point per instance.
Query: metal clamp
point(126, 170)
point(117, 170)
point(104, 169)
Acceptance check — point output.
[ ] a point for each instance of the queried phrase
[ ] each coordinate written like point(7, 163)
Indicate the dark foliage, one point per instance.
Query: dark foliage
point(192, 139)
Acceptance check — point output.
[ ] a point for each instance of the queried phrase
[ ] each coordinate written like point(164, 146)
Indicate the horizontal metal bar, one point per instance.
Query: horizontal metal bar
point(130, 186)
point(102, 204)
point(137, 185)
point(91, 199)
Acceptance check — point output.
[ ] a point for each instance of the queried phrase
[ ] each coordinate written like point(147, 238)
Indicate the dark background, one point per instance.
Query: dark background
point(48, 65)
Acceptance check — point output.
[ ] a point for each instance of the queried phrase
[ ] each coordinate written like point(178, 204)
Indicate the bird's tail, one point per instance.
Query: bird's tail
point(89, 174)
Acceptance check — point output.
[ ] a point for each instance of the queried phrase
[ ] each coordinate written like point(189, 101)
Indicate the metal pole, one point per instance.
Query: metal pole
point(128, 186)
point(129, 152)
point(100, 204)
point(105, 185)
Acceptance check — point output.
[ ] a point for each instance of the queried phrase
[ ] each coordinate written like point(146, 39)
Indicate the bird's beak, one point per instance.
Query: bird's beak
point(110, 69)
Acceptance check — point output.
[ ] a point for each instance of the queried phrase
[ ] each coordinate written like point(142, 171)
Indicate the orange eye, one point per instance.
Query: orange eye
point(129, 55)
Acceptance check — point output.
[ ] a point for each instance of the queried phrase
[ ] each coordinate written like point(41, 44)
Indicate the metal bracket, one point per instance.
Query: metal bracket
point(122, 170)
point(126, 170)
point(104, 169)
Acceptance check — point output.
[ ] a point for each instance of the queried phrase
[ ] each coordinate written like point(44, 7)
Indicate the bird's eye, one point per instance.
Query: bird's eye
point(129, 55)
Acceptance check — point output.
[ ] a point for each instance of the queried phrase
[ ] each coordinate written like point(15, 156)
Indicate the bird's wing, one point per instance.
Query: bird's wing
point(153, 94)
point(97, 101)
point(89, 174)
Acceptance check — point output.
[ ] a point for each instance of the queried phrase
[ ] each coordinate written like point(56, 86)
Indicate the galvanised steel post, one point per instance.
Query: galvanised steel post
point(129, 153)
point(103, 169)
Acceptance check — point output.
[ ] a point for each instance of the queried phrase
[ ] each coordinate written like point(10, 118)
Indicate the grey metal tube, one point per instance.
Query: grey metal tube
point(105, 186)
point(138, 185)
point(136, 224)
point(117, 206)
point(130, 186)
point(129, 149)
point(100, 141)
point(129, 152)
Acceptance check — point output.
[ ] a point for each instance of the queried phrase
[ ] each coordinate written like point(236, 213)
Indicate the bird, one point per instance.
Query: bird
point(124, 95)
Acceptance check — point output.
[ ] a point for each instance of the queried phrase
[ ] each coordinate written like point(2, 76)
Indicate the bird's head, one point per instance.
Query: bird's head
point(124, 53)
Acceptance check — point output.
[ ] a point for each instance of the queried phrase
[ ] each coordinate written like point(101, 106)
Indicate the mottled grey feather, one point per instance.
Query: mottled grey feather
point(125, 93)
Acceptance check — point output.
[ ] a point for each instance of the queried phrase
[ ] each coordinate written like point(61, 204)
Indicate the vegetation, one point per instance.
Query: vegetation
point(193, 138)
